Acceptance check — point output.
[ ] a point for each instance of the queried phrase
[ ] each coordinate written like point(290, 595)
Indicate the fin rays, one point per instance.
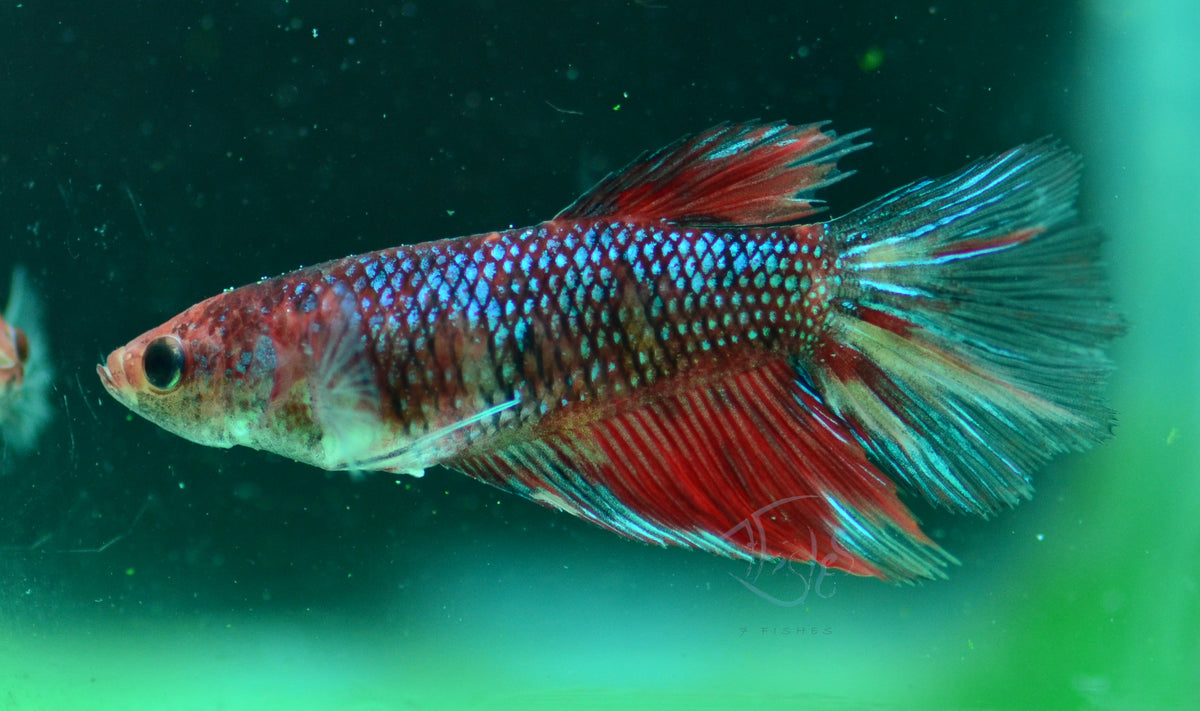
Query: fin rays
point(739, 174)
point(971, 335)
point(749, 466)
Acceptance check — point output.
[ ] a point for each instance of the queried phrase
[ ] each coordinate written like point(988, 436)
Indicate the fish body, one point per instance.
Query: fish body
point(676, 357)
point(24, 369)
point(518, 324)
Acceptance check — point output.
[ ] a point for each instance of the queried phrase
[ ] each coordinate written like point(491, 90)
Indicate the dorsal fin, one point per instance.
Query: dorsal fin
point(733, 174)
point(749, 465)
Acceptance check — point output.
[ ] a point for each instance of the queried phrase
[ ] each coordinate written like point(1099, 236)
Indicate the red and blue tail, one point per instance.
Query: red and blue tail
point(968, 345)
point(965, 346)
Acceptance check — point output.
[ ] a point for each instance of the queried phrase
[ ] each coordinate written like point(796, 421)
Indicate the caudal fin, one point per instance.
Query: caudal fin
point(968, 345)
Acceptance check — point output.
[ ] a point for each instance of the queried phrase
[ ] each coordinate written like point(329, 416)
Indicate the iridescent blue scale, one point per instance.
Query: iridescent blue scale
point(589, 309)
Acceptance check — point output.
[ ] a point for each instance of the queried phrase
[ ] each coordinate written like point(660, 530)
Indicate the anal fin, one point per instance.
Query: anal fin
point(751, 465)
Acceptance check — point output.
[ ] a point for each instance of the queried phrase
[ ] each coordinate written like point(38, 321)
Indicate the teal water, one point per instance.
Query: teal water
point(148, 162)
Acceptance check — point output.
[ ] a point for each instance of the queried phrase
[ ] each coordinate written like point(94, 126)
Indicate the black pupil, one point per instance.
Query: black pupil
point(163, 363)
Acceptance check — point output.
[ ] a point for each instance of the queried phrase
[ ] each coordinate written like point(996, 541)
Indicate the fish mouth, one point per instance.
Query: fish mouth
point(114, 381)
point(106, 377)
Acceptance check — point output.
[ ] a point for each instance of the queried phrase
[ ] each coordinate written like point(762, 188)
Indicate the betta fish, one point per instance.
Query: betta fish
point(24, 369)
point(681, 358)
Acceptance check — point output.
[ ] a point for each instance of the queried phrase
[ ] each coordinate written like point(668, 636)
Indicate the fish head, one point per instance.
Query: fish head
point(218, 374)
point(279, 366)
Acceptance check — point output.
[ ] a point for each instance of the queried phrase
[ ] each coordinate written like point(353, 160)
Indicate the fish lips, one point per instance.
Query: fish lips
point(116, 382)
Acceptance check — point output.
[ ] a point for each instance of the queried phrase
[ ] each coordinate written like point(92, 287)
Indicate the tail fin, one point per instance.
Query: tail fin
point(967, 347)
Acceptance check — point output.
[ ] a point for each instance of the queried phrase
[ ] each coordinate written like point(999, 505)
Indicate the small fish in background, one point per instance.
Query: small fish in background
point(25, 372)
point(677, 358)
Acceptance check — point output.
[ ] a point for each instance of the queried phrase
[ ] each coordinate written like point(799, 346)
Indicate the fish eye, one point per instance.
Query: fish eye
point(22, 344)
point(164, 361)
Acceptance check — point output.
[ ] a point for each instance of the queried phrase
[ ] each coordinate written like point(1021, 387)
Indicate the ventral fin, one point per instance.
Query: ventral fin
point(749, 466)
point(734, 174)
point(414, 456)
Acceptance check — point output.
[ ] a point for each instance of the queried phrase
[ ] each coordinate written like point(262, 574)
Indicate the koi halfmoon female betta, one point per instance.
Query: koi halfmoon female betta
point(679, 358)
point(25, 372)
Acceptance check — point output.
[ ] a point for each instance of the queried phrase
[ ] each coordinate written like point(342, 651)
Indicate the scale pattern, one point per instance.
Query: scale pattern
point(567, 312)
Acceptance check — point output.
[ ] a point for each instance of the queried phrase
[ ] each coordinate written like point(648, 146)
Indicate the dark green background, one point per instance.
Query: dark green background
point(155, 153)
